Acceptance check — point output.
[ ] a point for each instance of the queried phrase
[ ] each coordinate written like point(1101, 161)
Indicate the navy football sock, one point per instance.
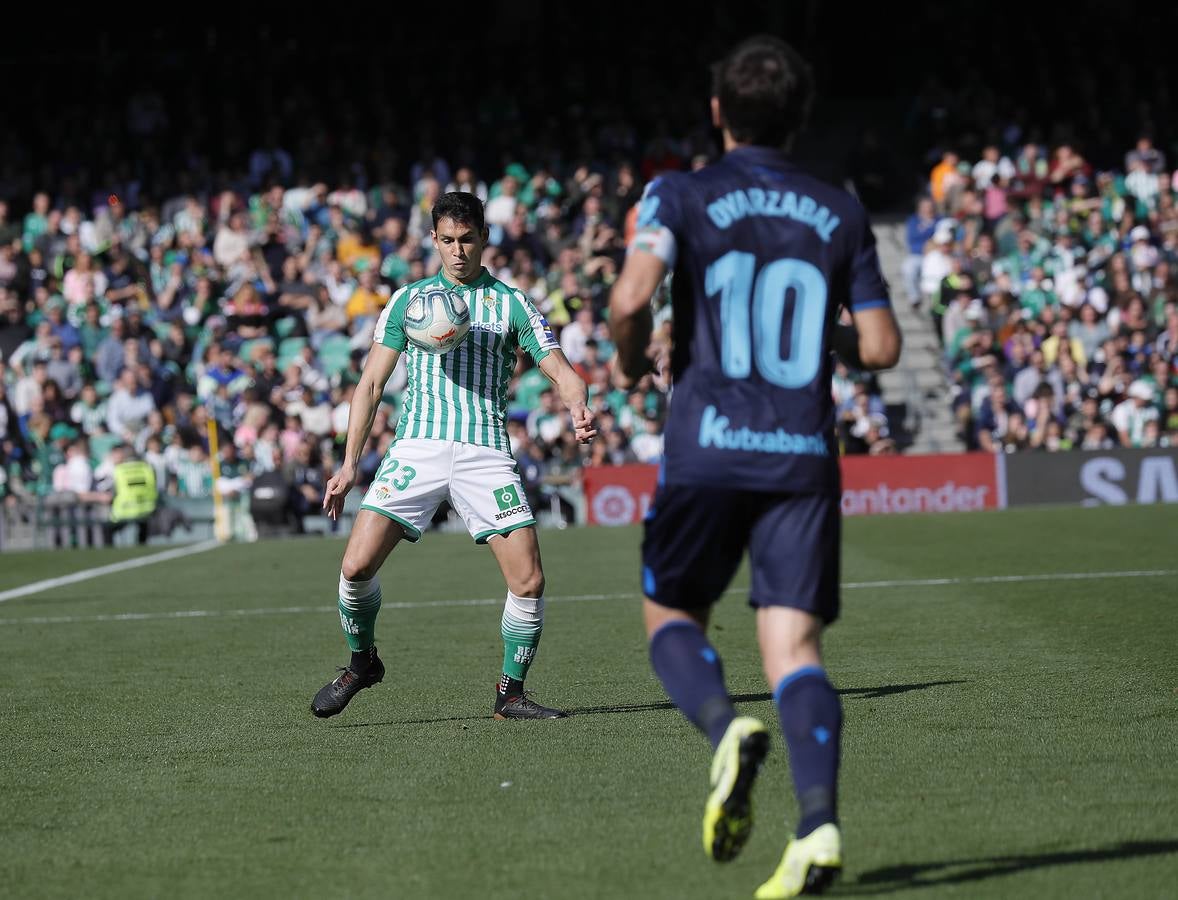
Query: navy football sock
point(690, 670)
point(811, 719)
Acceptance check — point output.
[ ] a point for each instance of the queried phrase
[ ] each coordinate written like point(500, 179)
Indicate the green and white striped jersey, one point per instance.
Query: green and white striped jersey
point(462, 395)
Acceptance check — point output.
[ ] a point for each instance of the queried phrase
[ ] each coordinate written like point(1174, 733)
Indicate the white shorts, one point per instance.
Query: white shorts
point(482, 484)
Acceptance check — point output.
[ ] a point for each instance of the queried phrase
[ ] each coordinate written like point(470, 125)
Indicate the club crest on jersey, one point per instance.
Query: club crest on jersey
point(490, 301)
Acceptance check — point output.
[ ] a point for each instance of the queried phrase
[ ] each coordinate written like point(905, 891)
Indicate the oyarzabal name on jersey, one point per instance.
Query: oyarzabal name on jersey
point(714, 431)
point(734, 206)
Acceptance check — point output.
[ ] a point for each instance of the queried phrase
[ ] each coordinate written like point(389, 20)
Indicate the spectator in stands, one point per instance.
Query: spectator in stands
point(304, 472)
point(234, 478)
point(1037, 373)
point(992, 167)
point(1145, 155)
point(946, 182)
point(76, 475)
point(546, 423)
point(647, 444)
point(937, 262)
point(919, 231)
point(531, 460)
point(1130, 416)
point(995, 419)
point(194, 473)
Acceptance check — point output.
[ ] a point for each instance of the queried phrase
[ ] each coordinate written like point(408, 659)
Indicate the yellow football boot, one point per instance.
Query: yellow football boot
point(808, 865)
point(728, 816)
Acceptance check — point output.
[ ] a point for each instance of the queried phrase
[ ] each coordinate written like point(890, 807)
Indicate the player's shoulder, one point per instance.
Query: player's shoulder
point(673, 183)
point(400, 297)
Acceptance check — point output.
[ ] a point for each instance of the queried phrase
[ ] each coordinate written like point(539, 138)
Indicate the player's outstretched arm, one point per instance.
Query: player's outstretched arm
point(572, 393)
point(630, 319)
point(365, 400)
point(872, 342)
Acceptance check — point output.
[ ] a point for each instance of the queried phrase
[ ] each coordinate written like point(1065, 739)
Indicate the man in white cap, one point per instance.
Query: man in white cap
point(1130, 415)
point(936, 263)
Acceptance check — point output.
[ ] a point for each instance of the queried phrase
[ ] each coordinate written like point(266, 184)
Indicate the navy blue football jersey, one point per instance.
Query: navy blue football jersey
point(763, 255)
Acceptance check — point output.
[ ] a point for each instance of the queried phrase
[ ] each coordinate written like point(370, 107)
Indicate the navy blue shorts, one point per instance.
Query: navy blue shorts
point(695, 538)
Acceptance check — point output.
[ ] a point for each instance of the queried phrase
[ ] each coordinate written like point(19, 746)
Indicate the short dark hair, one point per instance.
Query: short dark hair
point(765, 88)
point(461, 206)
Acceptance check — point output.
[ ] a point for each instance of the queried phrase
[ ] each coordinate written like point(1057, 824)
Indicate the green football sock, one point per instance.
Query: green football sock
point(359, 602)
point(522, 622)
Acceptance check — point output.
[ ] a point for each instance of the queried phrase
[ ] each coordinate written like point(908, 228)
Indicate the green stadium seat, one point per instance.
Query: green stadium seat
point(100, 445)
point(288, 349)
point(290, 346)
point(247, 348)
point(335, 353)
point(284, 326)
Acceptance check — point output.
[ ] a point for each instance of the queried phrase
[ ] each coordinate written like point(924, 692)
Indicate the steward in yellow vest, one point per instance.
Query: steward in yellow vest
point(135, 495)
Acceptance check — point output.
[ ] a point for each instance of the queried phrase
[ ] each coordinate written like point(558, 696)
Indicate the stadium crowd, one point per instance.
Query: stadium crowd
point(135, 325)
point(1052, 287)
point(134, 313)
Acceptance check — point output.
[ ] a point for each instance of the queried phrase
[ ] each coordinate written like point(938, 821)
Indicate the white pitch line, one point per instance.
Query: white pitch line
point(574, 598)
point(1007, 579)
point(49, 584)
point(285, 610)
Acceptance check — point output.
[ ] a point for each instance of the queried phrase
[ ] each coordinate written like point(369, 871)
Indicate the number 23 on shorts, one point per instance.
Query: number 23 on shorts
point(389, 467)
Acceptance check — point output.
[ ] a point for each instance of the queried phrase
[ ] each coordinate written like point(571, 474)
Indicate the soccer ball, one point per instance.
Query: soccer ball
point(436, 320)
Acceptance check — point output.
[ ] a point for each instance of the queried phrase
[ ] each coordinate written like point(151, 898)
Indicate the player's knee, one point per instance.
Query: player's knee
point(530, 583)
point(356, 568)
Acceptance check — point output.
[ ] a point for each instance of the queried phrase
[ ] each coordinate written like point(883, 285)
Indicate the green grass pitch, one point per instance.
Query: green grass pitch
point(1003, 738)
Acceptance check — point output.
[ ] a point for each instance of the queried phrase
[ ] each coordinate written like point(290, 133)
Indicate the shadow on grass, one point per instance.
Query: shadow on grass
point(869, 693)
point(886, 690)
point(908, 876)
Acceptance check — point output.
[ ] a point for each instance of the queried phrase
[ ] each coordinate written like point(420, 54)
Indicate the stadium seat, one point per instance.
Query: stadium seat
point(100, 445)
point(284, 326)
point(288, 349)
point(245, 351)
point(334, 354)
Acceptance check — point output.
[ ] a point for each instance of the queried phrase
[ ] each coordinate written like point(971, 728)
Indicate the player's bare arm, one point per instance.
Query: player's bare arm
point(571, 390)
point(872, 342)
point(377, 369)
point(630, 318)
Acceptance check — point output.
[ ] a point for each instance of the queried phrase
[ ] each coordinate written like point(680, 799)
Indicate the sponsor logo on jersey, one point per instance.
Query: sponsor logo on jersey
point(716, 431)
point(493, 327)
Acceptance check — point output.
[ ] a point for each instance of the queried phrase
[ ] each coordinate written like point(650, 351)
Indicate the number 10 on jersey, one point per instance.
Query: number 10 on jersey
point(752, 313)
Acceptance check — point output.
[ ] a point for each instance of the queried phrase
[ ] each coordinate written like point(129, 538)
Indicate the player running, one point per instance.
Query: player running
point(764, 255)
point(451, 445)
